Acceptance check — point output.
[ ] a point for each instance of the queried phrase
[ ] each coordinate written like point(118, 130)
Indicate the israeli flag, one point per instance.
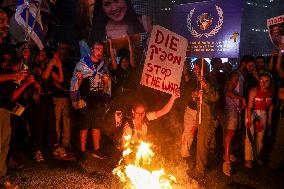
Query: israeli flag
point(35, 30)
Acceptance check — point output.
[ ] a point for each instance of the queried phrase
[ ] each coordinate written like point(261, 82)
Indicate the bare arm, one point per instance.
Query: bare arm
point(185, 74)
point(17, 92)
point(279, 68)
point(58, 77)
point(113, 60)
point(271, 61)
point(167, 107)
point(130, 47)
point(281, 93)
point(46, 73)
point(6, 77)
point(233, 82)
point(252, 94)
point(17, 76)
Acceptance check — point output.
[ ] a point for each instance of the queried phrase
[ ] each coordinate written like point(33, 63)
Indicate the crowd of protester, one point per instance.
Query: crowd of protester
point(60, 92)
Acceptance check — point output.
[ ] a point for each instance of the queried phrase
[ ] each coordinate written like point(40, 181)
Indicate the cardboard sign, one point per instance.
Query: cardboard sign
point(212, 27)
point(276, 30)
point(164, 61)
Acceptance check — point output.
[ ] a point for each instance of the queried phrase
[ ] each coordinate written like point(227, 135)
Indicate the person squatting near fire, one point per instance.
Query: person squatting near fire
point(259, 114)
point(206, 129)
point(234, 103)
point(89, 90)
point(136, 126)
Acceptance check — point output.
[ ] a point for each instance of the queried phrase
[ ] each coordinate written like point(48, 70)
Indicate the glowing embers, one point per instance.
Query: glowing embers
point(135, 168)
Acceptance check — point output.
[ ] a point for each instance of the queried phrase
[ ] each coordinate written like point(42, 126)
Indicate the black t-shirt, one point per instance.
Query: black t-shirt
point(46, 85)
point(91, 90)
point(67, 68)
point(191, 86)
point(123, 79)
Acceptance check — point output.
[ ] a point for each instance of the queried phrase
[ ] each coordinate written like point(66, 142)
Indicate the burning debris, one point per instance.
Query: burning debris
point(135, 168)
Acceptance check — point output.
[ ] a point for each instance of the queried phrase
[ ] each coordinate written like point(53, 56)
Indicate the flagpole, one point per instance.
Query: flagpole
point(27, 20)
point(34, 22)
point(201, 89)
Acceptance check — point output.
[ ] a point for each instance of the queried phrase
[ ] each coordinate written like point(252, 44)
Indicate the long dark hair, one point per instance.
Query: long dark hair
point(100, 20)
point(83, 25)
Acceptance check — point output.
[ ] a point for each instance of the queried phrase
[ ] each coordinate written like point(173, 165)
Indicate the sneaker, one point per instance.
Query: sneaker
point(227, 168)
point(98, 155)
point(248, 164)
point(9, 185)
point(38, 157)
point(59, 153)
point(15, 164)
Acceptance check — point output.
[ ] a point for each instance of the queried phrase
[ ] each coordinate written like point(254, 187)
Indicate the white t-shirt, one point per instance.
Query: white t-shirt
point(134, 133)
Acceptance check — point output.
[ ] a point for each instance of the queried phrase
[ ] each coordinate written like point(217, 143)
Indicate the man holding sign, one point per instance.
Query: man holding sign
point(204, 96)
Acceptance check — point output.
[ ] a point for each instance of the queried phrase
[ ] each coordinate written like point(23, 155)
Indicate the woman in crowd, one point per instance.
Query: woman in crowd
point(123, 71)
point(259, 115)
point(41, 111)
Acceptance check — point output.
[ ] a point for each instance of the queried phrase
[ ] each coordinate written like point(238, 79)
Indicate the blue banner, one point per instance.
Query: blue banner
point(212, 28)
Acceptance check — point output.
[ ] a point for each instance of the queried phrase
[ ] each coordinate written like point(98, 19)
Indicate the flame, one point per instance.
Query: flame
point(131, 168)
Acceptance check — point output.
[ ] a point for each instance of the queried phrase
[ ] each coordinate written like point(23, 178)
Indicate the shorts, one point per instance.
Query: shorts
point(91, 117)
point(232, 119)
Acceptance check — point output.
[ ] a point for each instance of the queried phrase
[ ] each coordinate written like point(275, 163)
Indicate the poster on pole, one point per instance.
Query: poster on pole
point(212, 27)
point(164, 61)
point(276, 29)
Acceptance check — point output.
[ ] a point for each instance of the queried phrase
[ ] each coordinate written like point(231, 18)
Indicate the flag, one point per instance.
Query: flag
point(35, 29)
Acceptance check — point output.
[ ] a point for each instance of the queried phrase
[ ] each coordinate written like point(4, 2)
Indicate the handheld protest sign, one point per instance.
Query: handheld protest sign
point(164, 61)
point(276, 30)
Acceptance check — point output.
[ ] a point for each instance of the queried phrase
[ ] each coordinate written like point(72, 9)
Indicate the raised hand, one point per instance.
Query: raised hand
point(79, 75)
point(20, 76)
point(30, 80)
point(52, 1)
point(105, 78)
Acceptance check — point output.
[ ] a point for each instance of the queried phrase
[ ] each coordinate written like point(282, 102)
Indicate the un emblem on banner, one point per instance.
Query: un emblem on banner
point(204, 21)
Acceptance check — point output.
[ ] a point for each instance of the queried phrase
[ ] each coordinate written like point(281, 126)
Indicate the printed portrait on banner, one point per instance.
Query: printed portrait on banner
point(276, 30)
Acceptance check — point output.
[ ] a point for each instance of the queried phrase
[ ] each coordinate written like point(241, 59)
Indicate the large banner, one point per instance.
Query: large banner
point(213, 28)
point(276, 29)
point(164, 61)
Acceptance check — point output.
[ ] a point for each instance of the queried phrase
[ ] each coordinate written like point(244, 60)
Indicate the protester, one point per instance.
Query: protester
point(190, 123)
point(90, 85)
point(61, 96)
point(124, 76)
point(207, 95)
point(41, 110)
point(8, 93)
point(235, 102)
point(260, 65)
point(136, 126)
point(276, 157)
point(259, 115)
